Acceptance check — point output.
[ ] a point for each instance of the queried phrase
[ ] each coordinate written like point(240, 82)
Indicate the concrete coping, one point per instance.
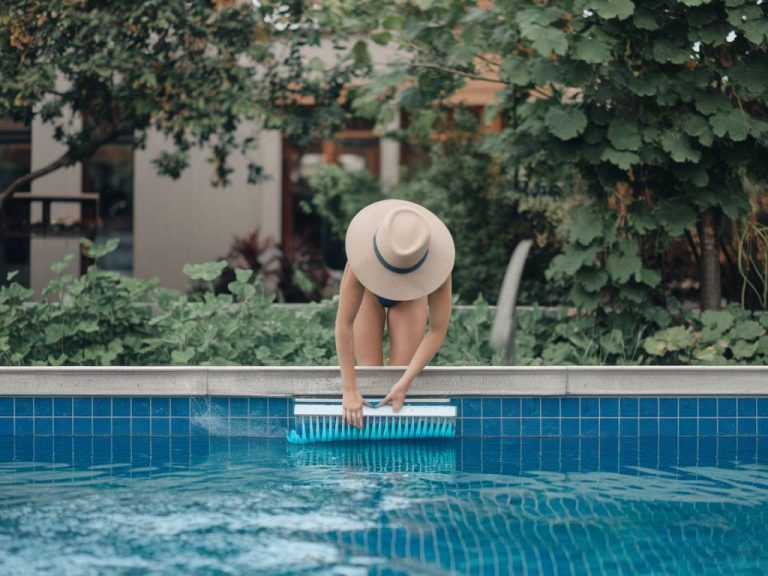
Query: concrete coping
point(435, 381)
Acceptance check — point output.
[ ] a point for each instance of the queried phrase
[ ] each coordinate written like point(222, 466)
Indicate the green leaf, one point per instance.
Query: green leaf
point(97, 251)
point(645, 20)
point(746, 330)
point(675, 216)
point(694, 2)
point(622, 159)
point(592, 280)
point(734, 123)
point(622, 267)
point(58, 267)
point(207, 271)
point(565, 123)
point(607, 9)
point(679, 147)
point(584, 226)
point(624, 134)
point(182, 356)
point(546, 40)
point(592, 51)
point(666, 50)
point(516, 71)
point(744, 350)
point(360, 55)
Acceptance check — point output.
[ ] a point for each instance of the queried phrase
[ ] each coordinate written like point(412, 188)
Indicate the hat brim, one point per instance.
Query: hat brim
point(392, 285)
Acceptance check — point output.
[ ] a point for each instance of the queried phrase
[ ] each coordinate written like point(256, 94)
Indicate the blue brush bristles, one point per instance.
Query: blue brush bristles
point(333, 428)
point(321, 421)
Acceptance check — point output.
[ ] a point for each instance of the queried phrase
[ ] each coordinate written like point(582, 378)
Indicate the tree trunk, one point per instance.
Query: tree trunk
point(710, 262)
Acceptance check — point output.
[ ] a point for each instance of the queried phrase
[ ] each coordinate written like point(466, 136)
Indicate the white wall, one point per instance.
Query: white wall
point(189, 220)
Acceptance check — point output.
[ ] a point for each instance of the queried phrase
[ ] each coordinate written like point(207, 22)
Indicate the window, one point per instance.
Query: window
point(15, 161)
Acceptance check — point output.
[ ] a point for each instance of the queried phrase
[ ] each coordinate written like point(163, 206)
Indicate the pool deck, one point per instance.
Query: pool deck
point(434, 381)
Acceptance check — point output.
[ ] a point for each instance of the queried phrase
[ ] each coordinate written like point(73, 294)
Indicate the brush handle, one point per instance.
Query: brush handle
point(407, 410)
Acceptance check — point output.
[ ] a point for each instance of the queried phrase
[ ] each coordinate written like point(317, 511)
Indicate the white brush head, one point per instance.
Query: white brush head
point(306, 408)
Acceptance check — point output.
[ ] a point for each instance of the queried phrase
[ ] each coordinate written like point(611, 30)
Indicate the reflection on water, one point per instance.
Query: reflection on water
point(200, 506)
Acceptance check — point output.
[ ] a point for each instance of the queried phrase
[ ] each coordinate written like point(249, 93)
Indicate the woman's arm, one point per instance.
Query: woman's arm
point(439, 317)
point(350, 296)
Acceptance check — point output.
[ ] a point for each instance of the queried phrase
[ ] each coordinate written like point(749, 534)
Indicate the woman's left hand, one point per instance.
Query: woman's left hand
point(396, 396)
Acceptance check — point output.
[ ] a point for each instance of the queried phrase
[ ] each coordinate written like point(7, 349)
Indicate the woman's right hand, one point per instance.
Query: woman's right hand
point(352, 407)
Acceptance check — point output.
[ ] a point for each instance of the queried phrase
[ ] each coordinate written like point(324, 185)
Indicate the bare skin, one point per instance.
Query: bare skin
point(360, 323)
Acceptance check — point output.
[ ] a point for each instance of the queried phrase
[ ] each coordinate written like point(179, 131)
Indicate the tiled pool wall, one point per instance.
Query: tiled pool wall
point(486, 417)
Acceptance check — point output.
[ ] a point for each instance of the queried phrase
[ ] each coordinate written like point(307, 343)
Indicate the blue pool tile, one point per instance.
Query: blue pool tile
point(726, 407)
point(200, 407)
point(238, 427)
point(83, 426)
point(257, 407)
point(471, 408)
point(102, 426)
point(83, 406)
point(726, 426)
point(668, 407)
point(629, 408)
point(278, 427)
point(762, 427)
point(707, 426)
point(278, 407)
point(689, 407)
point(258, 426)
point(179, 426)
point(590, 427)
point(43, 426)
point(667, 426)
point(121, 426)
point(569, 427)
point(491, 407)
point(139, 407)
point(62, 406)
point(43, 406)
point(649, 407)
point(491, 427)
point(23, 407)
point(550, 426)
point(609, 427)
point(649, 426)
point(590, 407)
point(140, 427)
point(220, 406)
point(530, 426)
point(23, 426)
point(161, 407)
point(569, 407)
point(511, 426)
point(6, 406)
point(62, 426)
point(161, 426)
point(238, 406)
point(628, 427)
point(550, 407)
point(609, 407)
point(747, 407)
point(531, 407)
point(510, 407)
point(707, 407)
point(6, 426)
point(762, 407)
point(471, 427)
point(121, 407)
point(688, 426)
point(180, 406)
point(747, 426)
point(102, 406)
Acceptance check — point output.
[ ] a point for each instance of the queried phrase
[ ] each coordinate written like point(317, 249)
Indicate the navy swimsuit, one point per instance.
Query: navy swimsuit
point(386, 302)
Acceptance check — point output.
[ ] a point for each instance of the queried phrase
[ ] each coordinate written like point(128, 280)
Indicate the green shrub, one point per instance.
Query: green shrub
point(104, 318)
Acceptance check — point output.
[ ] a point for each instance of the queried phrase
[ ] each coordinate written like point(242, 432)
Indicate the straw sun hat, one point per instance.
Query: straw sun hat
point(399, 250)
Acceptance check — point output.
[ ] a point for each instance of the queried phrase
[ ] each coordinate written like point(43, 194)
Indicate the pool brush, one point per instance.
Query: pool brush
point(321, 421)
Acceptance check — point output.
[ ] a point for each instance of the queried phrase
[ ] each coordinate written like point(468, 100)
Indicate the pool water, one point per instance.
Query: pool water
point(468, 506)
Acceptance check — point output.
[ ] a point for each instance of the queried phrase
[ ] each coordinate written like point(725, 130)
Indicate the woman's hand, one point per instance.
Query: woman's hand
point(396, 396)
point(352, 407)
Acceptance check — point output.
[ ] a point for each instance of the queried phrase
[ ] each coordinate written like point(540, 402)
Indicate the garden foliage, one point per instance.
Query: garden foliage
point(104, 318)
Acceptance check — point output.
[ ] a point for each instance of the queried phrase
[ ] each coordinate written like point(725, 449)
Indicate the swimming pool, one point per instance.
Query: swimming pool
point(567, 470)
point(527, 505)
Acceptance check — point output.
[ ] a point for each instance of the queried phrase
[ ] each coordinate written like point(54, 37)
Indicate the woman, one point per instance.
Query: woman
point(399, 261)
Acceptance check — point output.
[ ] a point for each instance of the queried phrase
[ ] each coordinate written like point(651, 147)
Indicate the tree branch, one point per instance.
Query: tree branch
point(458, 73)
point(62, 161)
